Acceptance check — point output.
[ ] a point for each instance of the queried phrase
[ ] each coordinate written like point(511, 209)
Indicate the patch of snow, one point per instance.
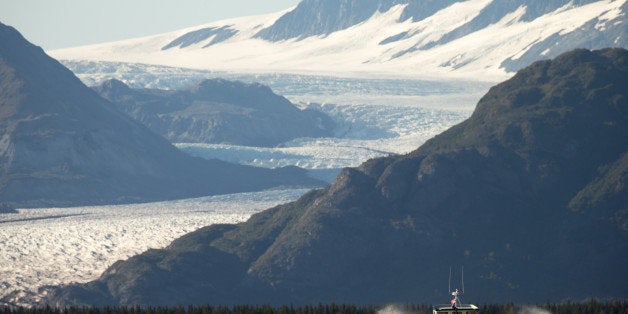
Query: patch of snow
point(608, 16)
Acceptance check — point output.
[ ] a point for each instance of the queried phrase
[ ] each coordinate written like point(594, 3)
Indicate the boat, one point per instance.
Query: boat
point(455, 306)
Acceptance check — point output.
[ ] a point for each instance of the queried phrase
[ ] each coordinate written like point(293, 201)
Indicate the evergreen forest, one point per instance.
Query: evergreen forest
point(589, 307)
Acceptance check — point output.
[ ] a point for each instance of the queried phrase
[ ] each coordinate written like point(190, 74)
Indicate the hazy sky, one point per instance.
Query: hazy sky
point(54, 24)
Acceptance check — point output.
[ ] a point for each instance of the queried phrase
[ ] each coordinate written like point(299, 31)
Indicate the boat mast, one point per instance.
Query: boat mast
point(455, 302)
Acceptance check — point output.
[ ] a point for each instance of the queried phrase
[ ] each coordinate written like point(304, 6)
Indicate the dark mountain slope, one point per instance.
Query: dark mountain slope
point(62, 144)
point(528, 194)
point(218, 111)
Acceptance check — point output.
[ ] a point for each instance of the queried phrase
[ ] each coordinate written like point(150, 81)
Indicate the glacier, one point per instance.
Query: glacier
point(374, 116)
point(54, 246)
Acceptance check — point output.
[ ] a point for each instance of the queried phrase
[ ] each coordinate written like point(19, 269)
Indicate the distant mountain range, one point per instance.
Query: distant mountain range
point(62, 144)
point(529, 194)
point(472, 39)
point(218, 111)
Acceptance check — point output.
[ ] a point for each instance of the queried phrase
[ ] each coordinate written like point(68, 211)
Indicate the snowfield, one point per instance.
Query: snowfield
point(52, 246)
point(384, 45)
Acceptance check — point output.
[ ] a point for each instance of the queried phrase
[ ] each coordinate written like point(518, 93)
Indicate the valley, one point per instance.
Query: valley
point(335, 152)
point(53, 246)
point(373, 117)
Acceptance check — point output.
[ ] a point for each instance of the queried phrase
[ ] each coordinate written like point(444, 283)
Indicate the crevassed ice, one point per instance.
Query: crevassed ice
point(52, 246)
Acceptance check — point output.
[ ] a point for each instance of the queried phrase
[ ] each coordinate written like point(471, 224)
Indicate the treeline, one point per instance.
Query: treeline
point(591, 307)
point(202, 309)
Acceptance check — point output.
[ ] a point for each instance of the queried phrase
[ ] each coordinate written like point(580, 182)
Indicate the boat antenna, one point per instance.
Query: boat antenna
point(449, 289)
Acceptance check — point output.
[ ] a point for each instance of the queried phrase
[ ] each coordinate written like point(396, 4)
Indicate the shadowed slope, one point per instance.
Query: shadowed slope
point(218, 111)
point(62, 144)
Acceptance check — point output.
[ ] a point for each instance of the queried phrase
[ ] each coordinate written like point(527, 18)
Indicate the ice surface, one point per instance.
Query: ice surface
point(140, 75)
point(52, 246)
point(364, 132)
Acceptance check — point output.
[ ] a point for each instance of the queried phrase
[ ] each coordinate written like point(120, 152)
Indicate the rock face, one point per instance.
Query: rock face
point(218, 111)
point(62, 144)
point(529, 194)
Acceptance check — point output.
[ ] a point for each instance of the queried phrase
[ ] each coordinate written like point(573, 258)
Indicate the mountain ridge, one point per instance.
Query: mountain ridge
point(528, 193)
point(473, 39)
point(339, 15)
point(218, 111)
point(61, 144)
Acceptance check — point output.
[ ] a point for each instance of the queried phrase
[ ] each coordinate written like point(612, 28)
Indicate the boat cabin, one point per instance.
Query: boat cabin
point(460, 309)
point(456, 306)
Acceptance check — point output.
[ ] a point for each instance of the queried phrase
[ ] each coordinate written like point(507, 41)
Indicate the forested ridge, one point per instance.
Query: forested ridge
point(590, 307)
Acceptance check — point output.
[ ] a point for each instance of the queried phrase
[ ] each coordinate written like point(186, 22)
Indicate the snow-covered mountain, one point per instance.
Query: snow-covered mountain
point(477, 39)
